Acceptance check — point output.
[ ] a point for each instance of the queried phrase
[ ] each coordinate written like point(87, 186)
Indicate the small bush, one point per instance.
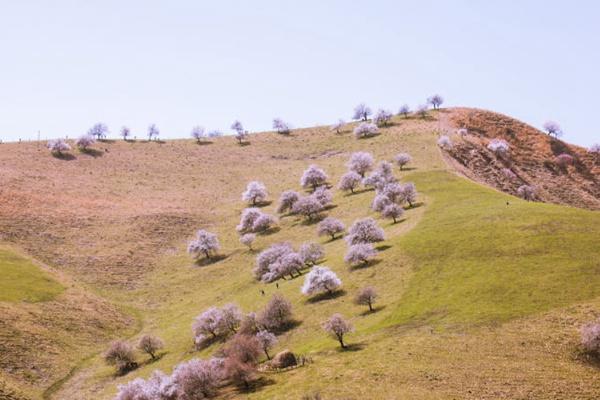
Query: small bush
point(121, 355)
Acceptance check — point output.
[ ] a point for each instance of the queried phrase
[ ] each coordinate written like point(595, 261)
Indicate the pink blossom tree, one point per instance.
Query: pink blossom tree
point(338, 327)
point(350, 181)
point(444, 142)
point(256, 192)
point(402, 159)
point(590, 338)
point(205, 243)
point(58, 146)
point(338, 126)
point(266, 340)
point(364, 230)
point(563, 160)
point(125, 133)
point(85, 141)
point(198, 133)
point(393, 212)
point(361, 112)
point(281, 127)
point(197, 379)
point(268, 260)
point(360, 162)
point(382, 117)
point(365, 129)
point(247, 239)
point(121, 355)
point(98, 130)
point(526, 192)
point(308, 206)
point(421, 110)
point(287, 201)
point(313, 177)
point(310, 253)
point(404, 110)
point(153, 132)
point(330, 227)
point(150, 344)
point(553, 129)
point(436, 101)
point(366, 297)
point(277, 314)
point(320, 279)
point(360, 253)
point(500, 147)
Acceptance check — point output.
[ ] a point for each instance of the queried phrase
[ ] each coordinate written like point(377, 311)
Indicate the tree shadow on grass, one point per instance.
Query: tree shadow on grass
point(203, 142)
point(64, 156)
point(156, 358)
point(107, 140)
point(244, 144)
point(92, 152)
point(202, 262)
point(398, 221)
point(261, 204)
point(360, 266)
point(271, 230)
point(415, 205)
point(326, 296)
point(256, 385)
point(293, 324)
point(383, 247)
point(376, 309)
point(352, 347)
point(403, 169)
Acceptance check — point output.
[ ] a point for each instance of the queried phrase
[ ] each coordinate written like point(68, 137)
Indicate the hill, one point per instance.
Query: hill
point(478, 299)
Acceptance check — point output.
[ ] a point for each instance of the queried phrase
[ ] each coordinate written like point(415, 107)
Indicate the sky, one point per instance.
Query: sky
point(180, 63)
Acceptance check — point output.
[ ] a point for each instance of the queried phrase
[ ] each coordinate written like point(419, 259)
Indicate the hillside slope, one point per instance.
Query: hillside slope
point(460, 274)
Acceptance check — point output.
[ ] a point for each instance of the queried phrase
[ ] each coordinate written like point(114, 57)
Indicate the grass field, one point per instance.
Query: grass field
point(478, 299)
point(22, 280)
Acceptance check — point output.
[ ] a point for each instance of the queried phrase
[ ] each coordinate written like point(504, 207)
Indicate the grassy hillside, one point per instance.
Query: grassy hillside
point(478, 299)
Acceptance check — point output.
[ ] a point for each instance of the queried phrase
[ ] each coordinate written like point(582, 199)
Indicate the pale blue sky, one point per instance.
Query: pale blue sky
point(68, 64)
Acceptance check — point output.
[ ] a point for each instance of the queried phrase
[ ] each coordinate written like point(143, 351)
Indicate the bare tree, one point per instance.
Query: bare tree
point(150, 344)
point(366, 296)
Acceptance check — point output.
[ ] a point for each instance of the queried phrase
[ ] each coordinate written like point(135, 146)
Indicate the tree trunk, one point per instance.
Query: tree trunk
point(341, 340)
point(370, 306)
point(267, 354)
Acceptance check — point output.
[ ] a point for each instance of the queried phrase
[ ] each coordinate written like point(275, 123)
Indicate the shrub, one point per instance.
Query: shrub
point(320, 279)
point(125, 132)
point(121, 355)
point(150, 344)
point(308, 206)
point(313, 177)
point(153, 132)
point(365, 129)
point(361, 112)
point(366, 297)
point(380, 202)
point(402, 159)
point(267, 260)
point(323, 196)
point(85, 141)
point(99, 130)
point(57, 146)
point(508, 174)
point(281, 127)
point(337, 327)
point(364, 231)
point(444, 142)
point(526, 192)
point(330, 226)
point(436, 101)
point(404, 110)
point(590, 338)
point(349, 181)
point(360, 162)
point(198, 133)
point(205, 243)
point(462, 131)
point(311, 252)
point(256, 192)
point(277, 314)
point(197, 379)
point(338, 126)
point(287, 201)
point(553, 128)
point(392, 211)
point(499, 147)
point(247, 239)
point(563, 160)
point(360, 253)
point(382, 117)
point(266, 340)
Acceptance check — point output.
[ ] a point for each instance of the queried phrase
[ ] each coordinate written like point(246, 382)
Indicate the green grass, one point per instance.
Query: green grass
point(479, 260)
point(22, 280)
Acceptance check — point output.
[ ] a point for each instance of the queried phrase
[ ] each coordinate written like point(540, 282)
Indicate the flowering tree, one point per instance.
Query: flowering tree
point(308, 206)
point(125, 133)
point(231, 317)
point(365, 129)
point(392, 211)
point(404, 110)
point(266, 340)
point(281, 127)
point(209, 324)
point(590, 338)
point(323, 196)
point(381, 177)
point(361, 112)
point(158, 386)
point(256, 192)
point(99, 130)
point(349, 181)
point(337, 327)
point(393, 191)
point(215, 133)
point(254, 220)
point(409, 193)
point(421, 110)
point(150, 344)
point(268, 261)
point(499, 147)
point(380, 202)
point(360, 253)
point(436, 101)
point(313, 177)
point(247, 239)
point(198, 133)
point(462, 131)
point(564, 159)
point(553, 128)
point(320, 279)
point(58, 146)
point(508, 173)
point(242, 353)
point(277, 314)
point(205, 243)
point(263, 223)
point(121, 355)
point(237, 126)
point(287, 201)
point(526, 192)
point(85, 141)
point(197, 379)
point(153, 132)
point(310, 253)
point(338, 126)
point(364, 231)
point(366, 297)
point(402, 159)
point(594, 150)
point(444, 142)
point(331, 227)
point(360, 162)
point(382, 117)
